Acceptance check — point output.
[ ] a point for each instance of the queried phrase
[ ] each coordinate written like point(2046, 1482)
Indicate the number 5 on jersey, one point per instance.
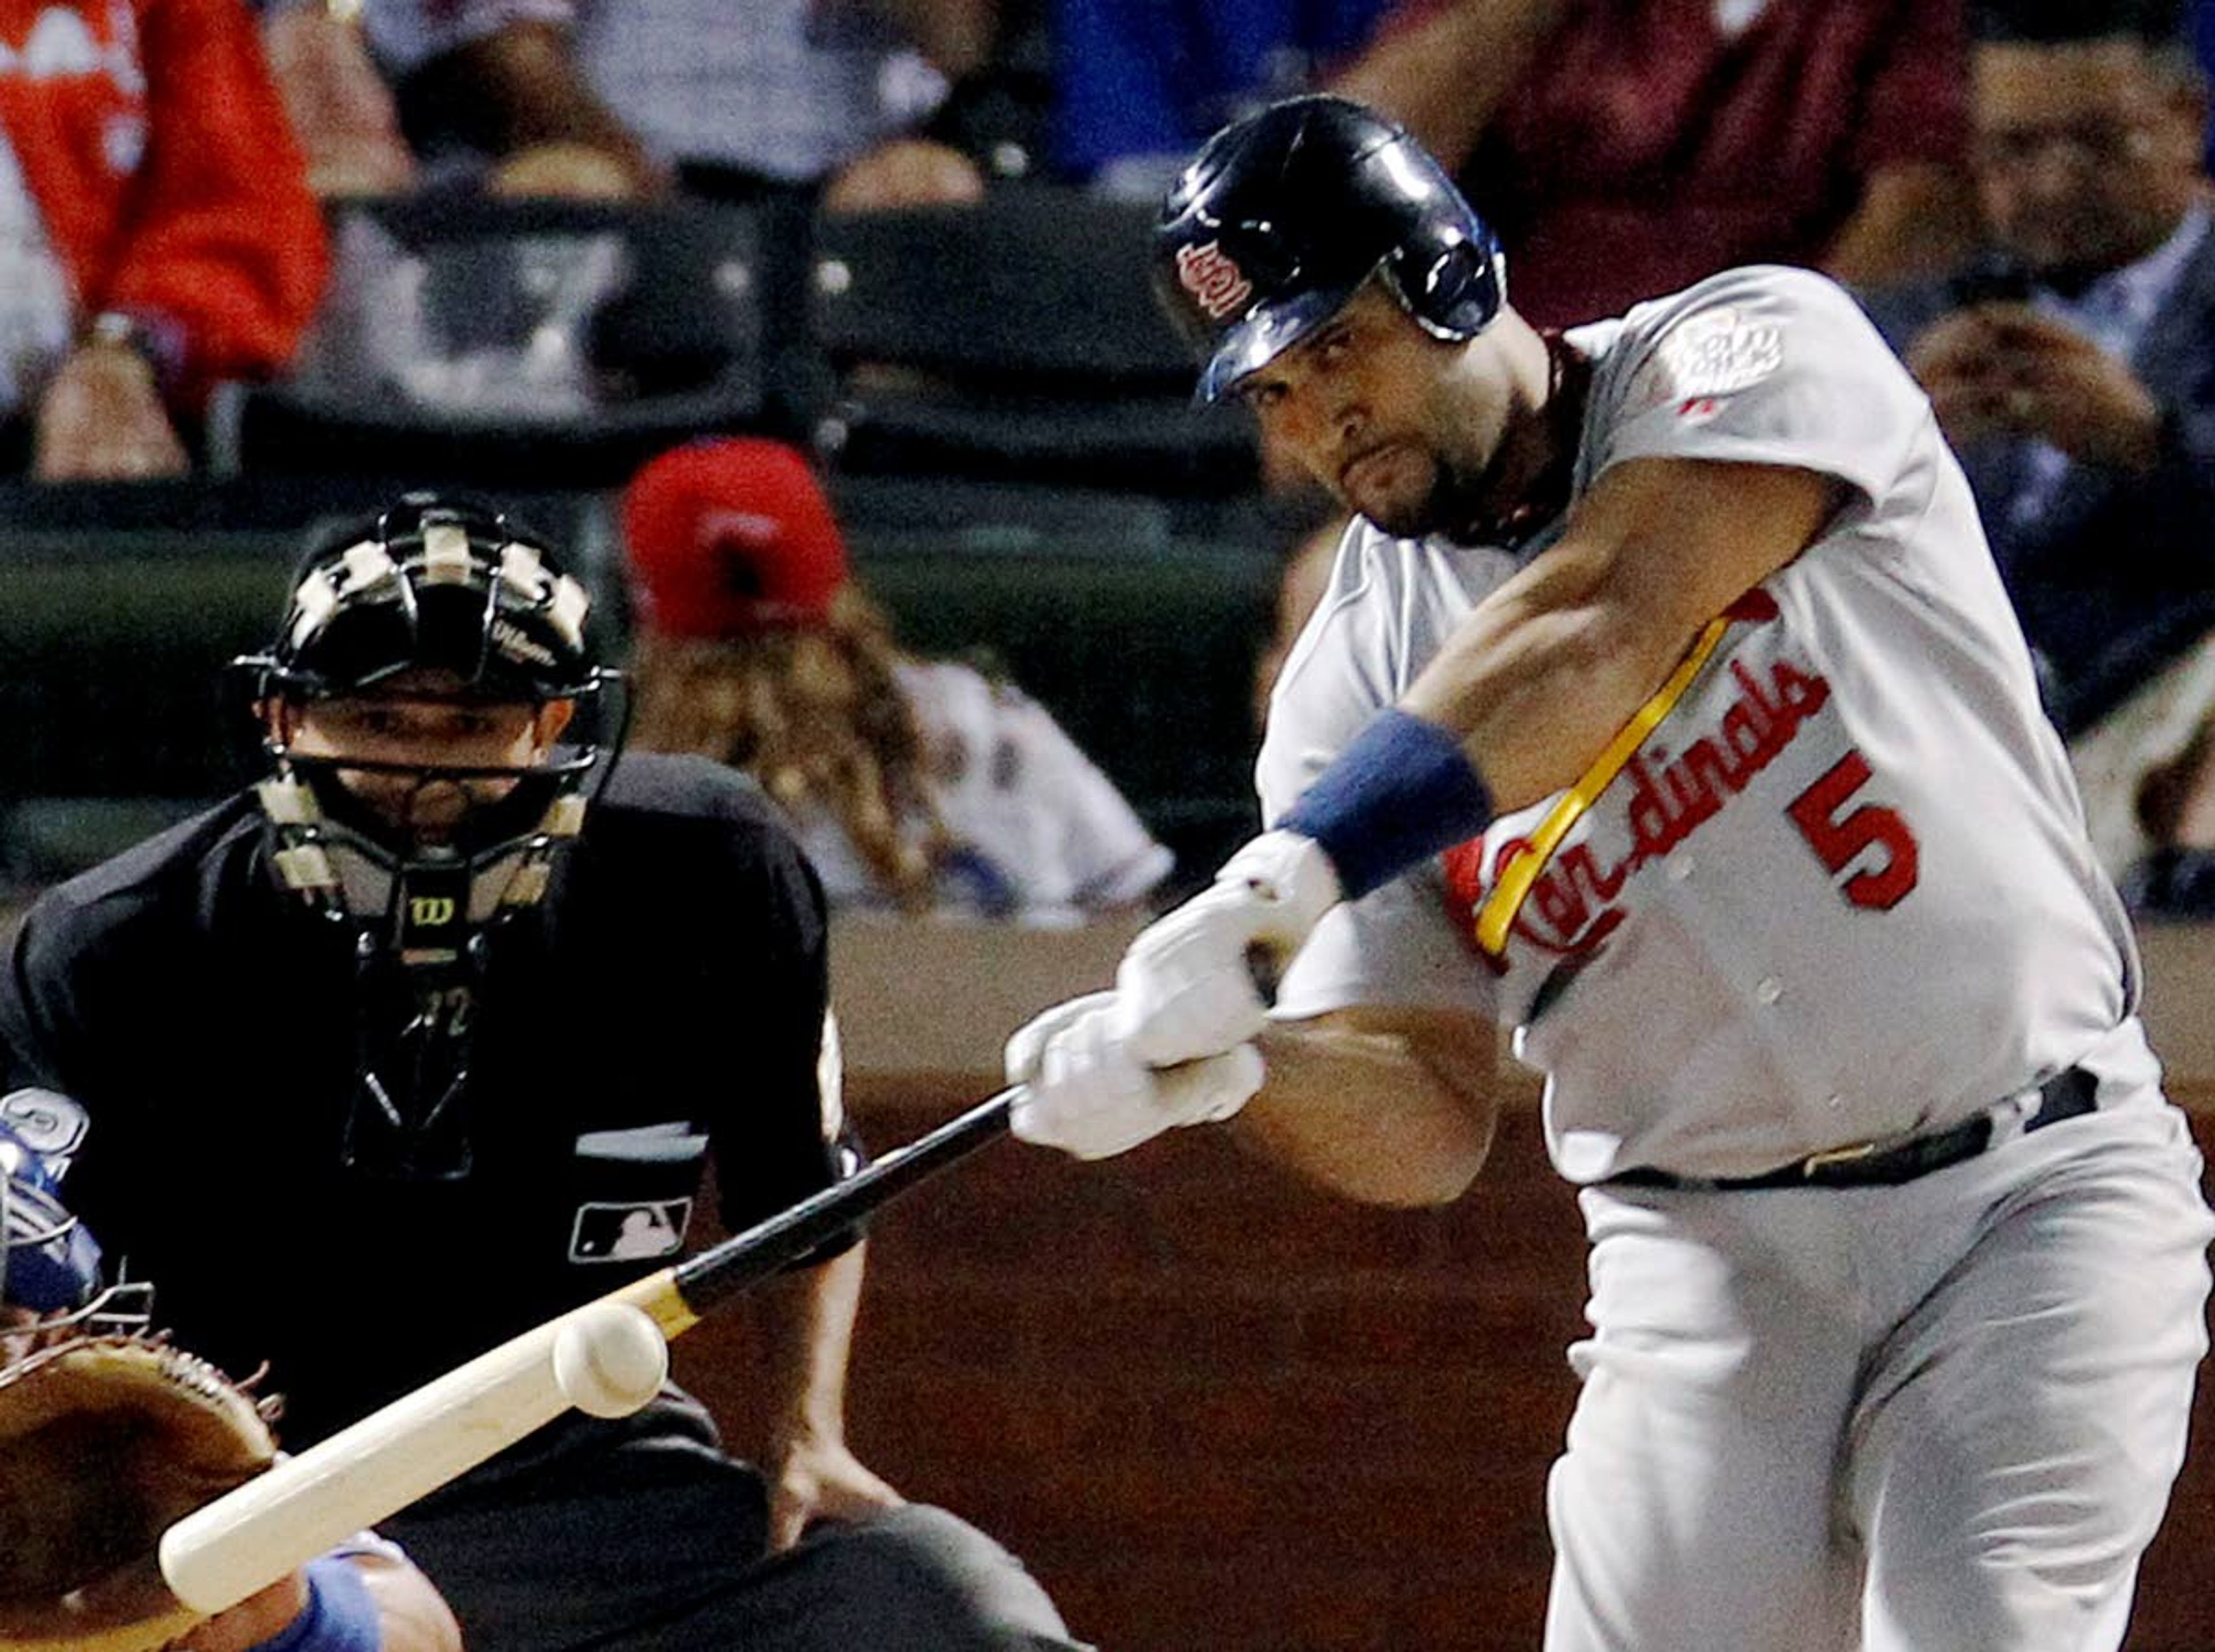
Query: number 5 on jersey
point(1841, 832)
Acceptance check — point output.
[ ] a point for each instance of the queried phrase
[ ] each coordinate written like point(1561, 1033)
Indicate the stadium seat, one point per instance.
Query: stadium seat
point(1015, 339)
point(528, 343)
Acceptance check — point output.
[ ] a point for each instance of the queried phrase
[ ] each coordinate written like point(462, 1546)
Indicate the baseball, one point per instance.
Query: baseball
point(610, 1358)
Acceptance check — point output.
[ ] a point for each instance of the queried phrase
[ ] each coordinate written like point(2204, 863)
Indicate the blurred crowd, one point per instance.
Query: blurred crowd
point(2016, 188)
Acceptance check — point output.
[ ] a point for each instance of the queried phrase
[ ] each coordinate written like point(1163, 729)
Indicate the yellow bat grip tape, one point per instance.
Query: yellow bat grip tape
point(1495, 916)
point(657, 1293)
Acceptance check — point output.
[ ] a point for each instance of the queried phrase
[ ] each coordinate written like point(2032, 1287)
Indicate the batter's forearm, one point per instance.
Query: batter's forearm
point(1536, 680)
point(1539, 677)
point(1387, 1116)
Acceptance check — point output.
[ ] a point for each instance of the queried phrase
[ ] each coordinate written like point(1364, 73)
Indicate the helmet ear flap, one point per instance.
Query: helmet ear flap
point(1452, 288)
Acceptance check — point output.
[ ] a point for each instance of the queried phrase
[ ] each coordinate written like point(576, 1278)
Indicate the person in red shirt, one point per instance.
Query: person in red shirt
point(157, 232)
point(1630, 147)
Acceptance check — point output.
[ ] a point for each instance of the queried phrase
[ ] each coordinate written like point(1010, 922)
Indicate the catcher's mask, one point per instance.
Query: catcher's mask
point(390, 812)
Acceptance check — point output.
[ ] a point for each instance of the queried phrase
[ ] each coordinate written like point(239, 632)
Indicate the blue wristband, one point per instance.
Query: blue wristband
point(341, 1615)
point(1402, 792)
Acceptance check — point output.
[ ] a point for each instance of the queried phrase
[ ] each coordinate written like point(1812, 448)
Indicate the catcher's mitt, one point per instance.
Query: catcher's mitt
point(105, 1441)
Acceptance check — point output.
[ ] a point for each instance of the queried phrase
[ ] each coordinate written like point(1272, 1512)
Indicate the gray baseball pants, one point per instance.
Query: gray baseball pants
point(1945, 1414)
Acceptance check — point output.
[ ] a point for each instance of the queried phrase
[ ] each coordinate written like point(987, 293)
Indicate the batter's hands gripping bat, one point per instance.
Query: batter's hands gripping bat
point(607, 1358)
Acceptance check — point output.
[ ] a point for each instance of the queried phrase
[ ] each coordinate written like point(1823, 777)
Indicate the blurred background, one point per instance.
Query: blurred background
point(264, 265)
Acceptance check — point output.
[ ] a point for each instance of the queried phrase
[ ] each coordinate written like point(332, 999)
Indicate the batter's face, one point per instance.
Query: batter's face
point(1403, 428)
point(420, 722)
point(2088, 153)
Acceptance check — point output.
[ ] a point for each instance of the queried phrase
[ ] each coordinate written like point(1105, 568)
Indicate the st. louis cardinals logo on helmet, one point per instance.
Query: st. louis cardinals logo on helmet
point(1213, 280)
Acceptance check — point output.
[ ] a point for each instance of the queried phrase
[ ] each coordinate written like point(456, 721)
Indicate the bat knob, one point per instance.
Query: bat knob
point(610, 1358)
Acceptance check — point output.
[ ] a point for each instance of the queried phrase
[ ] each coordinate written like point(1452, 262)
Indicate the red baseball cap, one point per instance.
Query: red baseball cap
point(731, 536)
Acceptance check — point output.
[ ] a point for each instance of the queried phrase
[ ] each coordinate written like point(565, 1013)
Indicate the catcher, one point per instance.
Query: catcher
point(108, 1434)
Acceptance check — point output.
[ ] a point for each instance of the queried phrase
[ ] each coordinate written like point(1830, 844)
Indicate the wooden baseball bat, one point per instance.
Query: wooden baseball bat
point(608, 1358)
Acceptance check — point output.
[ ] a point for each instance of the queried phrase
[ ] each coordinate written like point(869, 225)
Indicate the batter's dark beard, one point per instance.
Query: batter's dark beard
point(1498, 508)
point(1494, 506)
point(1461, 506)
point(1454, 501)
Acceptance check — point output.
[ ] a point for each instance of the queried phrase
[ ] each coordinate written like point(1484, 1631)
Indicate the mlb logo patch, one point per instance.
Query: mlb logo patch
point(643, 1231)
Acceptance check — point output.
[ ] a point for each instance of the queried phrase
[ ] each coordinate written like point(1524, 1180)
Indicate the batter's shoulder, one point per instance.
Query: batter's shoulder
point(1731, 301)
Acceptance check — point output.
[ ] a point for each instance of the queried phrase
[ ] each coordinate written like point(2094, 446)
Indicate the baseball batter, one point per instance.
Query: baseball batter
point(1666, 705)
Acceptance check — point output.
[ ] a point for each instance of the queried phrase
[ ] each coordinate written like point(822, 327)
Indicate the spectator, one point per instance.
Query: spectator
point(912, 783)
point(1138, 84)
point(1630, 147)
point(157, 232)
point(464, 997)
point(340, 109)
point(596, 97)
point(2075, 372)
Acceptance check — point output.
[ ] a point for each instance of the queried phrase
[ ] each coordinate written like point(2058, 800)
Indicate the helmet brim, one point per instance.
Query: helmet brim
point(1266, 332)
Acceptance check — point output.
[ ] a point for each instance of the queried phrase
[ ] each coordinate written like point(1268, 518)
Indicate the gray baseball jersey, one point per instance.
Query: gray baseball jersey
point(1840, 892)
point(1860, 775)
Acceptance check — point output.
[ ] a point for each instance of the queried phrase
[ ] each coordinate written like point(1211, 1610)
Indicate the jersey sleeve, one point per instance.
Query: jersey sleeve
point(1762, 365)
point(780, 1132)
point(1397, 946)
point(221, 248)
point(36, 1016)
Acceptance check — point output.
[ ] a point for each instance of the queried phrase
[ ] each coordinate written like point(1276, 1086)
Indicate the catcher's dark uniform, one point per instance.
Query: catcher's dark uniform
point(667, 996)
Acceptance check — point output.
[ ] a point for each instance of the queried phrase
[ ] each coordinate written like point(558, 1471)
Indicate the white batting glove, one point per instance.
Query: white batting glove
point(1086, 1094)
point(1186, 984)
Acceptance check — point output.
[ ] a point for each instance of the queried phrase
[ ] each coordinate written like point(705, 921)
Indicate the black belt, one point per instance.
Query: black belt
point(2066, 1095)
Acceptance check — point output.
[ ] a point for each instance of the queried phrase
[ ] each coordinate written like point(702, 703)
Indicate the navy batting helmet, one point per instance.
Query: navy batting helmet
point(1283, 215)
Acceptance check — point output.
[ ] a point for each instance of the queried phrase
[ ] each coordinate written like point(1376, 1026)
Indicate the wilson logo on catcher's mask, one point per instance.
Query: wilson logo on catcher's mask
point(1214, 279)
